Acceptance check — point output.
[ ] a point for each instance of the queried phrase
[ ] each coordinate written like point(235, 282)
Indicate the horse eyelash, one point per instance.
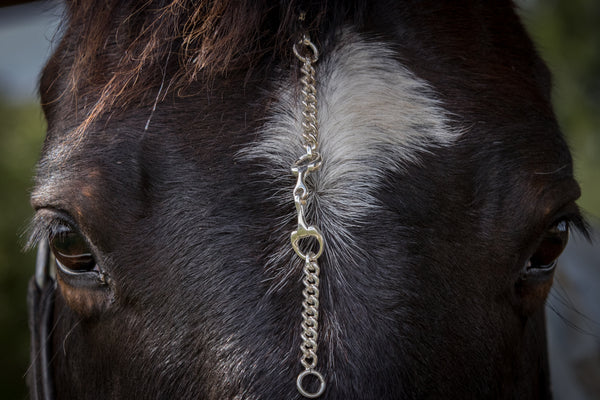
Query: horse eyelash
point(580, 224)
point(36, 231)
point(42, 227)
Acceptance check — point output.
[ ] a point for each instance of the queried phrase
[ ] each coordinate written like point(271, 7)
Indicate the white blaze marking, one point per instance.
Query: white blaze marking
point(374, 118)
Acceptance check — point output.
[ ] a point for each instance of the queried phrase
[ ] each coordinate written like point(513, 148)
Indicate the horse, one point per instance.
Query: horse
point(296, 199)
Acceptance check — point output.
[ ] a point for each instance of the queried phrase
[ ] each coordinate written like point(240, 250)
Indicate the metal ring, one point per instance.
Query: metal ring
point(304, 233)
point(301, 389)
point(305, 41)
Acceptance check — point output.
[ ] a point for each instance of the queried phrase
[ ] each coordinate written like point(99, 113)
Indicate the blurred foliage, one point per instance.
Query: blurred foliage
point(567, 34)
point(21, 134)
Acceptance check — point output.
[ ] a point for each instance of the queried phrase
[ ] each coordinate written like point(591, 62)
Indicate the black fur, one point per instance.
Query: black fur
point(184, 228)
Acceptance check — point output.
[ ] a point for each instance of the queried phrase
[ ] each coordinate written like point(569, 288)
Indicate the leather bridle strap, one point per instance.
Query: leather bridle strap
point(40, 304)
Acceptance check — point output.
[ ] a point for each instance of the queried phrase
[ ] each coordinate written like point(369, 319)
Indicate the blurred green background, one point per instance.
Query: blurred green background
point(567, 33)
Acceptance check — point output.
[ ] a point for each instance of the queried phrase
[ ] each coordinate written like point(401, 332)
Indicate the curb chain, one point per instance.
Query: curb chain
point(309, 162)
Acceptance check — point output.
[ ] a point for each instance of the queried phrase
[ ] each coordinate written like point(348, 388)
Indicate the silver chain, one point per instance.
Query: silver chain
point(309, 162)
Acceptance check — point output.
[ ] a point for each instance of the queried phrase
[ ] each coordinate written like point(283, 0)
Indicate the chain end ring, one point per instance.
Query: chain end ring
point(300, 383)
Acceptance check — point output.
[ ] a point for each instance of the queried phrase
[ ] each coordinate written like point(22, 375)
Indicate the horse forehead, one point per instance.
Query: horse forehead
point(372, 111)
point(369, 104)
point(375, 115)
point(376, 119)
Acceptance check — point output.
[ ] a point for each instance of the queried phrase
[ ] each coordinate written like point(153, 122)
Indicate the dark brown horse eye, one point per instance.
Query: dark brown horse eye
point(552, 245)
point(71, 250)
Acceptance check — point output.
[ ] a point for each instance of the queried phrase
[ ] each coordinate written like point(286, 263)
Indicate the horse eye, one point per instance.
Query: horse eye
point(553, 243)
point(71, 250)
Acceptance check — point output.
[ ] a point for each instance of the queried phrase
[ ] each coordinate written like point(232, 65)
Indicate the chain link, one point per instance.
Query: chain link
point(309, 162)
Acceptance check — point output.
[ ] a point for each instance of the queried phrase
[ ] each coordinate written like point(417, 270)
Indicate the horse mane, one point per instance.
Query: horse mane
point(122, 48)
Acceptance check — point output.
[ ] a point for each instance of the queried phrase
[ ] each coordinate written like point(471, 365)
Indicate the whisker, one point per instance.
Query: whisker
point(561, 295)
point(75, 325)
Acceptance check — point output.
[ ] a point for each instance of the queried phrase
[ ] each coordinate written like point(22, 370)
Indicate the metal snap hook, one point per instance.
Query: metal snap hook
point(304, 392)
point(304, 232)
point(301, 169)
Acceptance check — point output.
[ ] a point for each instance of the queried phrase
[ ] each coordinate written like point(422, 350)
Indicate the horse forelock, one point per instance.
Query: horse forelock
point(138, 41)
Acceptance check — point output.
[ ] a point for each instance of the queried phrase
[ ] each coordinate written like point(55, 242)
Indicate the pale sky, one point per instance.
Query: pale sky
point(26, 36)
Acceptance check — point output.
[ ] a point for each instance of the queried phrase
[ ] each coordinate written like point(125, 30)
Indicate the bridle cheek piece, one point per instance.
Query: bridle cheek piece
point(40, 304)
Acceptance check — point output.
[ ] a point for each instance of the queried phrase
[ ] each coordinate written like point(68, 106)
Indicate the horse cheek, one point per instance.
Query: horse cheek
point(85, 303)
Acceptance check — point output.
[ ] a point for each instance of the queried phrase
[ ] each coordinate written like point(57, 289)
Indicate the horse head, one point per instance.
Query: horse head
point(441, 195)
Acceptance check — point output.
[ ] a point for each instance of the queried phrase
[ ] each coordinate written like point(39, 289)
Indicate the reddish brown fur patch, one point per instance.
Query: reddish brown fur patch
point(85, 301)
